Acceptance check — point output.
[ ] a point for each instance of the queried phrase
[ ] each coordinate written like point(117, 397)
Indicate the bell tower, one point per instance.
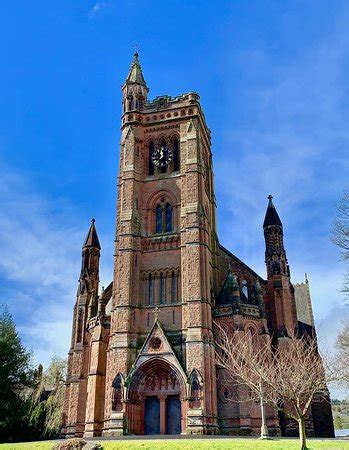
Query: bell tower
point(165, 255)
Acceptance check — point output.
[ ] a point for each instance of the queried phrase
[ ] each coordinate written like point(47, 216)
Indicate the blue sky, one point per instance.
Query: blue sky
point(273, 81)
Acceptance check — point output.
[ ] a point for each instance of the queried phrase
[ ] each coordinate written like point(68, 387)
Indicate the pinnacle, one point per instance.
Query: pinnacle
point(271, 216)
point(135, 74)
point(92, 237)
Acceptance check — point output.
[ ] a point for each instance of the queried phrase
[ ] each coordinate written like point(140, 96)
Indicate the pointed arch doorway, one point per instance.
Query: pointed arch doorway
point(155, 405)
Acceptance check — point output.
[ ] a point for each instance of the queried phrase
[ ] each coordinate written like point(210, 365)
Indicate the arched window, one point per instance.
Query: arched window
point(174, 288)
point(245, 288)
point(163, 218)
point(168, 218)
point(140, 102)
point(162, 289)
point(159, 228)
point(80, 325)
point(150, 291)
point(117, 394)
point(175, 155)
point(151, 165)
point(195, 389)
point(251, 333)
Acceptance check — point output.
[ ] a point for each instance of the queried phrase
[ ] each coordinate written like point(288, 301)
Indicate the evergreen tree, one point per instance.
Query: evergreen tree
point(16, 378)
point(48, 397)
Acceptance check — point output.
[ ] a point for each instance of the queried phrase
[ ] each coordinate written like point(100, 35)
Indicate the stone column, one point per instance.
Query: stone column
point(162, 399)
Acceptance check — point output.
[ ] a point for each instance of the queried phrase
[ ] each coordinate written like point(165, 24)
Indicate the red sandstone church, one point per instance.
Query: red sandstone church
point(142, 352)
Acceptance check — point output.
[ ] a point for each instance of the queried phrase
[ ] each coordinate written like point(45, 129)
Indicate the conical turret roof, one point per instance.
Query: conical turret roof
point(92, 237)
point(271, 216)
point(230, 289)
point(135, 74)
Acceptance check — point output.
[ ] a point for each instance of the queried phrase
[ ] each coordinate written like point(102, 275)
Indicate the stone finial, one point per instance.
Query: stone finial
point(156, 312)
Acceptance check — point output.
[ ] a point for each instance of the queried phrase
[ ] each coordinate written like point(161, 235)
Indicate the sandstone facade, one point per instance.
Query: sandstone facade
point(142, 353)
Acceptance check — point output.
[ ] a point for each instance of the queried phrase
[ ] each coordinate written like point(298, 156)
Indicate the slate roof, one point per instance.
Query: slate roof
point(271, 216)
point(92, 238)
point(135, 74)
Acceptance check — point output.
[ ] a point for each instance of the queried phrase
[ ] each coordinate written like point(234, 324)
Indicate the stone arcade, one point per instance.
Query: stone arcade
point(133, 370)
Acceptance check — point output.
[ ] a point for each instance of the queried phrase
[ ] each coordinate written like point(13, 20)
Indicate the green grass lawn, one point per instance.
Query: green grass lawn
point(196, 444)
point(42, 445)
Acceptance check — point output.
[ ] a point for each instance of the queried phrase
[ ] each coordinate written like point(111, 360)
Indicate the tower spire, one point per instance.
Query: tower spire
point(91, 249)
point(271, 216)
point(280, 291)
point(135, 89)
point(92, 237)
point(135, 74)
point(275, 254)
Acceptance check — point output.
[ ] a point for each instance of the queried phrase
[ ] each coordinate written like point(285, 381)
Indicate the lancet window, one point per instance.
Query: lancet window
point(80, 325)
point(195, 397)
point(117, 394)
point(162, 288)
point(245, 288)
point(163, 218)
point(150, 290)
point(176, 155)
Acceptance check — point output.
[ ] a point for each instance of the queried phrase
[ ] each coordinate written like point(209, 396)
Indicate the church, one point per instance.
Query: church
point(142, 355)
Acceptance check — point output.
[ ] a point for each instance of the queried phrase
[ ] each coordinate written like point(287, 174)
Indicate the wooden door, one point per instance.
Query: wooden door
point(152, 415)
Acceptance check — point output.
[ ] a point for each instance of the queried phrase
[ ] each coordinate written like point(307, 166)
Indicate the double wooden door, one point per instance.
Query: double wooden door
point(152, 415)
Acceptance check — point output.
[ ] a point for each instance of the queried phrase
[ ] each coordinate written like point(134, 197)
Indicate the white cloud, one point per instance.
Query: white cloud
point(97, 8)
point(294, 146)
point(40, 247)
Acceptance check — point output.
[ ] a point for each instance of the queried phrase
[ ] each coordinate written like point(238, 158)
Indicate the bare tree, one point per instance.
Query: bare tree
point(342, 345)
point(286, 378)
point(340, 232)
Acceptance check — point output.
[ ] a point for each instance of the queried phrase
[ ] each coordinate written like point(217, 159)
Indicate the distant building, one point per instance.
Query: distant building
point(142, 352)
point(303, 303)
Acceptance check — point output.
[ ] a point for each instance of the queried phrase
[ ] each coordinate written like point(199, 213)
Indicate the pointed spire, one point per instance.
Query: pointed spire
point(92, 238)
point(135, 74)
point(271, 216)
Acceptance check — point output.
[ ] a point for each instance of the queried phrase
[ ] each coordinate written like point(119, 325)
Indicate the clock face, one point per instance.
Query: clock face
point(161, 156)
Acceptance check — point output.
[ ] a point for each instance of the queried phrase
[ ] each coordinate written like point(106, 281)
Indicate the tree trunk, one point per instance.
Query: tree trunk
point(302, 436)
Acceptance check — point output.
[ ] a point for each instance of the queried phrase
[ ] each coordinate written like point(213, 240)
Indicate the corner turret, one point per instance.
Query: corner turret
point(275, 254)
point(134, 90)
point(281, 301)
